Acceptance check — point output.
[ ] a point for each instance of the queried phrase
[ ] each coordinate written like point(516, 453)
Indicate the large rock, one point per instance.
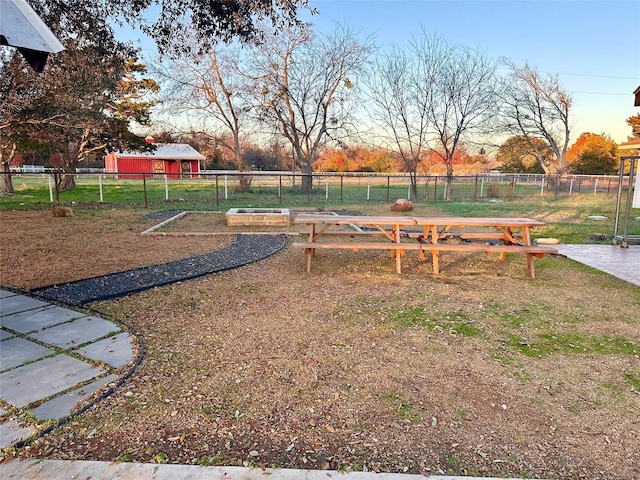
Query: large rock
point(547, 241)
point(402, 205)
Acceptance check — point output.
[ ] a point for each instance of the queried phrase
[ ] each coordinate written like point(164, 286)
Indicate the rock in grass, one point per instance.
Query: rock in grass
point(547, 241)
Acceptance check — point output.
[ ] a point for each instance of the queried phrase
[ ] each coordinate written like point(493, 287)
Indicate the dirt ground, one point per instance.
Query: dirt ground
point(479, 371)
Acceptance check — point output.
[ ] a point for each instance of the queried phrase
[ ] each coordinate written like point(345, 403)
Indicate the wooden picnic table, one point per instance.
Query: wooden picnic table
point(508, 235)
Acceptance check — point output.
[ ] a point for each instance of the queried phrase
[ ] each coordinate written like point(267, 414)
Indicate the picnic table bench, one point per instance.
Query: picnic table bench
point(423, 234)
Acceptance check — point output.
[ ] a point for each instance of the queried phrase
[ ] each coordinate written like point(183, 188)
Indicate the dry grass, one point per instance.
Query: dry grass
point(478, 371)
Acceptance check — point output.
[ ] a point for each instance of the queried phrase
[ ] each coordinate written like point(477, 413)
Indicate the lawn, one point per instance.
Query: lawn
point(479, 371)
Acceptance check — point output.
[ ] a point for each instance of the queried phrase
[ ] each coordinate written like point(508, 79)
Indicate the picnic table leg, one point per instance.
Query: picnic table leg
point(310, 252)
point(530, 268)
point(436, 261)
point(396, 238)
point(312, 238)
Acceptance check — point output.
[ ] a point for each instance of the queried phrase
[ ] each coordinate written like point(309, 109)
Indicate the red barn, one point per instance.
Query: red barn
point(177, 160)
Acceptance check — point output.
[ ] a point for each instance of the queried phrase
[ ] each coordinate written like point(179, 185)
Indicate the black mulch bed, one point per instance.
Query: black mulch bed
point(245, 249)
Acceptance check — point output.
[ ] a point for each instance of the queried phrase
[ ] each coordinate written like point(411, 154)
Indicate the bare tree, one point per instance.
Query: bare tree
point(462, 96)
point(398, 103)
point(305, 81)
point(428, 97)
point(536, 107)
point(212, 88)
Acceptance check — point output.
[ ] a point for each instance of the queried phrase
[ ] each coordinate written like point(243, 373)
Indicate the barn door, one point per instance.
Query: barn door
point(185, 169)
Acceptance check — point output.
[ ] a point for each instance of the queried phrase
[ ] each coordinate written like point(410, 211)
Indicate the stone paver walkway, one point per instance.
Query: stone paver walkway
point(58, 469)
point(620, 262)
point(52, 360)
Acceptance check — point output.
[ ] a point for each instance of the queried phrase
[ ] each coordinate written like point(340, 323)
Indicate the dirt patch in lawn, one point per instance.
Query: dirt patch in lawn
point(38, 250)
point(480, 370)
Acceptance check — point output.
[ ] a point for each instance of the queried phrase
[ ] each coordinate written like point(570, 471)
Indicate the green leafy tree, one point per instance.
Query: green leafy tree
point(90, 96)
point(168, 22)
point(593, 154)
point(634, 123)
point(516, 155)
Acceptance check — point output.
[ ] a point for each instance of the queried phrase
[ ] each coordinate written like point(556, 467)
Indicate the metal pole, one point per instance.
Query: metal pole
point(280, 188)
point(166, 187)
point(144, 186)
point(388, 181)
point(100, 184)
point(625, 234)
point(217, 193)
point(618, 199)
point(435, 189)
point(50, 189)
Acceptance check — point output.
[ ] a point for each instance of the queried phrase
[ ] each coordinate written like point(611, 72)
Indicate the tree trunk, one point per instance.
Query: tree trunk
point(307, 177)
point(244, 180)
point(69, 181)
point(307, 182)
point(5, 162)
point(413, 178)
point(7, 183)
point(449, 189)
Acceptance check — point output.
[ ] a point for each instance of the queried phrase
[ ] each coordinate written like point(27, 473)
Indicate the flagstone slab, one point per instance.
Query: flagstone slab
point(16, 351)
point(33, 320)
point(12, 431)
point(46, 377)
point(66, 404)
point(77, 332)
point(116, 351)
point(4, 335)
point(19, 303)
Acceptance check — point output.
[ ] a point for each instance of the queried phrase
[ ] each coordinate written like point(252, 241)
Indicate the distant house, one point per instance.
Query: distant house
point(636, 94)
point(176, 160)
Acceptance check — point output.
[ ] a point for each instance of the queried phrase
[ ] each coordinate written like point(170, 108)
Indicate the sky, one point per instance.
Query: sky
point(593, 46)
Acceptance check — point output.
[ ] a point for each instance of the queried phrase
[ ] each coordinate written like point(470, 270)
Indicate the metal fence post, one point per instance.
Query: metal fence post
point(144, 187)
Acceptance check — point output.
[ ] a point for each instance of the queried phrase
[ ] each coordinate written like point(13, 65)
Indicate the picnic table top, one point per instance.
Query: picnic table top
point(411, 220)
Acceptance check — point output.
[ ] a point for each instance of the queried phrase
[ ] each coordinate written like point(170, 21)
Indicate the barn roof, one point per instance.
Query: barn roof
point(167, 151)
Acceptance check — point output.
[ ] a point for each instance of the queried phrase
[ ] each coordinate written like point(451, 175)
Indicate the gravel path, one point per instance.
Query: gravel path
point(246, 249)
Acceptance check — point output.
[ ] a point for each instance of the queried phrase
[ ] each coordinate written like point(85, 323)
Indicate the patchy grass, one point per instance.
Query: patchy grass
point(480, 370)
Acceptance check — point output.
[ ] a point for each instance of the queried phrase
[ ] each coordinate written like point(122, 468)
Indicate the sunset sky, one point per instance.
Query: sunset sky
point(594, 46)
